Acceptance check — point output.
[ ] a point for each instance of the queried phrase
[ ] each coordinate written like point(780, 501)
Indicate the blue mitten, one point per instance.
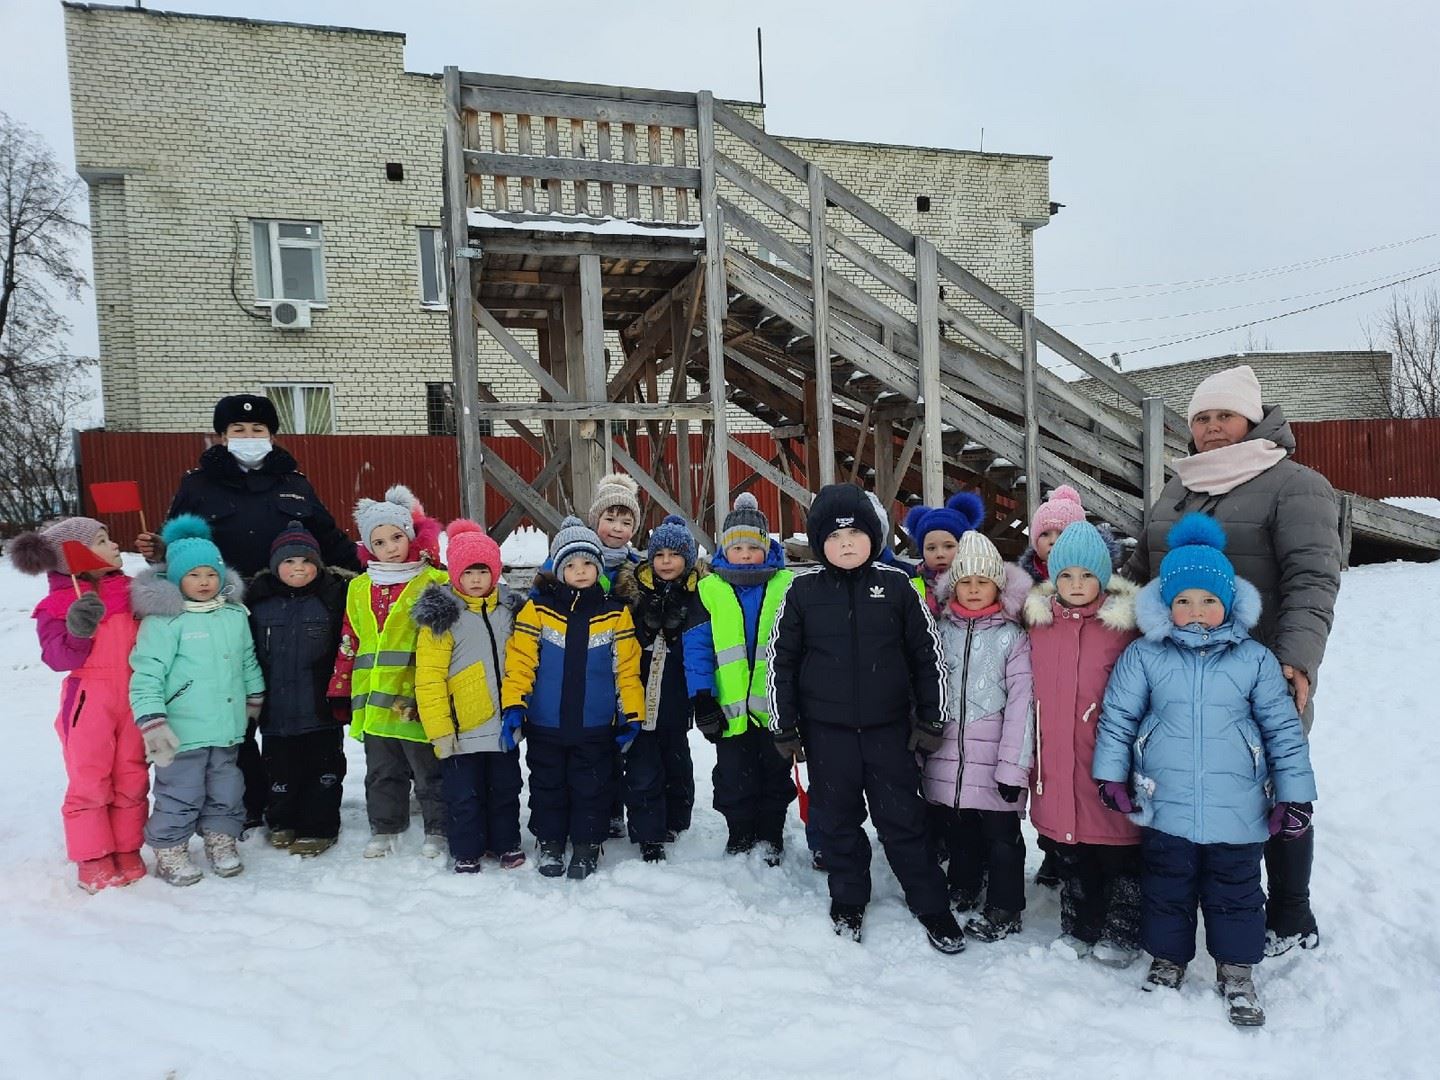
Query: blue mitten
point(510, 721)
point(626, 734)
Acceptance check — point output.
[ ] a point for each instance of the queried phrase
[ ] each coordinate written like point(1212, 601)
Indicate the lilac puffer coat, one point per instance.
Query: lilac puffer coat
point(990, 693)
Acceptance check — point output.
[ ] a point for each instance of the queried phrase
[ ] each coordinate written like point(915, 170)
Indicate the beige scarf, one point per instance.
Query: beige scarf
point(1217, 471)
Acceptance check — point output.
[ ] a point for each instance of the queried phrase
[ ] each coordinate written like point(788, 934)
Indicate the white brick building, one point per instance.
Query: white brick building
point(231, 160)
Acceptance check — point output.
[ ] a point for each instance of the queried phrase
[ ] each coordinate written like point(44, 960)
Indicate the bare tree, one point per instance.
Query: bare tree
point(41, 383)
point(1409, 330)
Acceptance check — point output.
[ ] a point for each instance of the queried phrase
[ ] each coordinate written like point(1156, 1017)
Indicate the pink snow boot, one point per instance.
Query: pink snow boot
point(97, 874)
point(130, 866)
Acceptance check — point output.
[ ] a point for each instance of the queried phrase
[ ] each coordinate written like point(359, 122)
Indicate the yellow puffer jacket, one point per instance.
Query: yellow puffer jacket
point(460, 667)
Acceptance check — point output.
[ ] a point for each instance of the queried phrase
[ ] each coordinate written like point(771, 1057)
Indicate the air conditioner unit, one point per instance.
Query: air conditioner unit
point(290, 314)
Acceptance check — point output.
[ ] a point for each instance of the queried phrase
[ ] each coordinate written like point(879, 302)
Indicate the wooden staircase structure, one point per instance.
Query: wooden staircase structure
point(734, 273)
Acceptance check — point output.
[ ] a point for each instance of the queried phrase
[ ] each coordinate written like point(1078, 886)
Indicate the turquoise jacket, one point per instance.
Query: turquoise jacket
point(195, 669)
point(1204, 725)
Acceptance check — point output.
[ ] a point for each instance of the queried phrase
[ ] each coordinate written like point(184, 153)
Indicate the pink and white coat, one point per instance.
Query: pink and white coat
point(989, 736)
point(1072, 652)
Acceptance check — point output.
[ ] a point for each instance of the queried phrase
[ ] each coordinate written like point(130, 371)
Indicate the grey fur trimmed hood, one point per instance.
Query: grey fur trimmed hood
point(152, 593)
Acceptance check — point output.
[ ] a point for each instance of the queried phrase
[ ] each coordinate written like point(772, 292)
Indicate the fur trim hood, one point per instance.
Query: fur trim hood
point(631, 581)
point(1152, 615)
point(439, 607)
point(1116, 611)
point(152, 593)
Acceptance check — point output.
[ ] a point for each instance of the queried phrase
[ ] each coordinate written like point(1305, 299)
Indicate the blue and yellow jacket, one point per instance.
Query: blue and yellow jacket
point(573, 664)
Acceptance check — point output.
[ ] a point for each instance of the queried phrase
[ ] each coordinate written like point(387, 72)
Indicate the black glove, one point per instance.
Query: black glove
point(925, 739)
point(709, 717)
point(788, 744)
point(674, 611)
point(83, 618)
point(1009, 792)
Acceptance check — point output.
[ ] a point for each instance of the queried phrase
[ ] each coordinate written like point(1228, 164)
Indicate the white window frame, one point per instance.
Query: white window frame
point(276, 242)
point(298, 413)
point(443, 303)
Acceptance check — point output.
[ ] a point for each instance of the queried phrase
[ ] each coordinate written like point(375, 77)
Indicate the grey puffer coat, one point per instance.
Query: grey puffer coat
point(1283, 530)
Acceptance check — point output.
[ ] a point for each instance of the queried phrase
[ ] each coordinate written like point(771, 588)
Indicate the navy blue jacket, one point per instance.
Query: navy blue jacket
point(297, 633)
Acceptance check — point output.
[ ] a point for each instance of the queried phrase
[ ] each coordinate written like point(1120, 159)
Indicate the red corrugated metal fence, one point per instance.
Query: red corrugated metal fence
point(1375, 458)
point(344, 468)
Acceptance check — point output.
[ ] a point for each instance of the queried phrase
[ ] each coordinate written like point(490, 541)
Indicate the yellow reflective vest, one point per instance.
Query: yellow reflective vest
point(382, 683)
point(739, 688)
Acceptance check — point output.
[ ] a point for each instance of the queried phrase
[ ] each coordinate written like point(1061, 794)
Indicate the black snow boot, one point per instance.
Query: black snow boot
point(740, 842)
point(551, 862)
point(1164, 975)
point(583, 861)
point(617, 827)
point(847, 919)
point(963, 899)
point(1048, 876)
point(652, 852)
point(1234, 983)
point(993, 924)
point(943, 932)
point(773, 851)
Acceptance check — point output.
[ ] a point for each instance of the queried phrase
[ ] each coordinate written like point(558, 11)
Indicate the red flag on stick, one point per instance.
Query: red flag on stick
point(81, 559)
point(118, 497)
point(803, 794)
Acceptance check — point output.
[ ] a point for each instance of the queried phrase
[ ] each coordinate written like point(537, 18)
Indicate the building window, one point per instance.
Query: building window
point(304, 409)
point(432, 273)
point(289, 261)
point(440, 410)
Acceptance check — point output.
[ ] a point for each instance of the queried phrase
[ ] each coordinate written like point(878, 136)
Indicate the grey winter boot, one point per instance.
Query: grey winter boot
point(220, 850)
point(1233, 982)
point(1164, 975)
point(173, 865)
point(551, 861)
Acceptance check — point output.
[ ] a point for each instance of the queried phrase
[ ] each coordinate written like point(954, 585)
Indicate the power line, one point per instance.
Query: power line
point(1240, 307)
point(1282, 315)
point(1224, 279)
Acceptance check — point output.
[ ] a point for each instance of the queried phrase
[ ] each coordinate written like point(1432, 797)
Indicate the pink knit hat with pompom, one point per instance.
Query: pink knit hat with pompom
point(470, 546)
point(1060, 508)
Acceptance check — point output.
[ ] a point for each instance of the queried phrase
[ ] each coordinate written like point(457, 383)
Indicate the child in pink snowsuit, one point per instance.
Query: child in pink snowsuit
point(90, 637)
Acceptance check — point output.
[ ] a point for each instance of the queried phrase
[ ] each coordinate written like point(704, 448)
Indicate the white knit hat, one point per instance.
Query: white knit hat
point(1235, 389)
point(615, 489)
point(398, 508)
point(978, 557)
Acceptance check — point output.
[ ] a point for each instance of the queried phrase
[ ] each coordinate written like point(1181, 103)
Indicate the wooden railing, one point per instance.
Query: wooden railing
point(536, 146)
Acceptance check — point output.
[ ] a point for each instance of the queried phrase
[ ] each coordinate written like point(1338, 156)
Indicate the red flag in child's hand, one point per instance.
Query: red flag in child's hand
point(801, 792)
point(81, 559)
point(116, 497)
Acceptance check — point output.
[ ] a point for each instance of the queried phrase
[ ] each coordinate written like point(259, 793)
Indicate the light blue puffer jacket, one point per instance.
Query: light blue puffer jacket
point(1205, 723)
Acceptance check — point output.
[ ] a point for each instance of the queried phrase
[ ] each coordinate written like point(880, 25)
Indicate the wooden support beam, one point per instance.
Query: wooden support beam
point(577, 106)
point(781, 480)
point(683, 247)
point(902, 463)
point(820, 332)
point(464, 347)
point(554, 466)
point(613, 411)
point(581, 170)
point(612, 282)
point(716, 298)
point(519, 353)
point(927, 321)
point(884, 455)
point(1152, 440)
point(514, 488)
point(1031, 415)
point(592, 332)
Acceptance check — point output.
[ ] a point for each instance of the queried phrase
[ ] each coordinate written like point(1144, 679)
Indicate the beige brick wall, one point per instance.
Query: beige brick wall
point(1309, 385)
point(188, 127)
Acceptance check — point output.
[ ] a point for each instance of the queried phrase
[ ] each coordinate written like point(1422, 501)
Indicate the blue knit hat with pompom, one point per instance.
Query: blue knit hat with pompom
point(1080, 545)
point(673, 534)
point(187, 546)
point(963, 512)
point(1196, 560)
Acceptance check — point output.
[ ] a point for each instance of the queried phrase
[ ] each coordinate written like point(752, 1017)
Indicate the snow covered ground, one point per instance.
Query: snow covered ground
point(707, 966)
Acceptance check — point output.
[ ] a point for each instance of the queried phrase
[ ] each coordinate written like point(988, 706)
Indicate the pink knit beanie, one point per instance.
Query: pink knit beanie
point(1060, 508)
point(1235, 389)
point(470, 546)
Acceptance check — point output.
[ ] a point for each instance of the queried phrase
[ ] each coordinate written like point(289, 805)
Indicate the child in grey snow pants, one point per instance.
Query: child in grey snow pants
point(201, 790)
point(390, 764)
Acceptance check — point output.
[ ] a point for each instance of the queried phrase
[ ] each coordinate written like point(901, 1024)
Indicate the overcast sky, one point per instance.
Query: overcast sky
point(1230, 140)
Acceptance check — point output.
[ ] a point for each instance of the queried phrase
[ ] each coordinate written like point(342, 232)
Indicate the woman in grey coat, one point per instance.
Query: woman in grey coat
point(1282, 520)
